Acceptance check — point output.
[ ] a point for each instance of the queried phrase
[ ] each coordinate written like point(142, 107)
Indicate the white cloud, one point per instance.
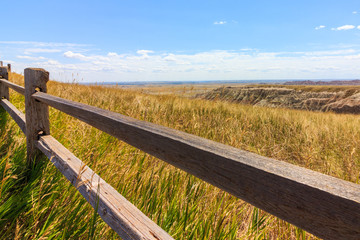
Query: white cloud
point(319, 27)
point(79, 56)
point(31, 58)
point(178, 60)
point(144, 55)
point(344, 27)
point(146, 65)
point(53, 62)
point(110, 59)
point(112, 54)
point(45, 44)
point(354, 12)
point(144, 52)
point(220, 22)
point(219, 64)
point(358, 27)
point(330, 53)
point(248, 49)
point(171, 57)
point(41, 50)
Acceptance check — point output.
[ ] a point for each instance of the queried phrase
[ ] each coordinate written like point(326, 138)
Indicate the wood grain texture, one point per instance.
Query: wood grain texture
point(4, 90)
point(16, 114)
point(122, 216)
point(13, 86)
point(325, 206)
point(37, 113)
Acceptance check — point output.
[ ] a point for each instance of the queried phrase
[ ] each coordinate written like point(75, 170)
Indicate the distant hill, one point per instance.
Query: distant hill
point(335, 82)
point(347, 101)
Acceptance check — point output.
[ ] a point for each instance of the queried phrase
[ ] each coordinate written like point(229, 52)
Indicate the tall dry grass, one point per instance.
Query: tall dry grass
point(41, 204)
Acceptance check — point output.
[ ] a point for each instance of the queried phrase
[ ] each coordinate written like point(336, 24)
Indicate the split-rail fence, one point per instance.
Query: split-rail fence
point(322, 205)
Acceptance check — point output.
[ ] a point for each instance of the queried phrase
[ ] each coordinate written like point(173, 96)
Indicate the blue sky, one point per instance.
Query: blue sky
point(124, 40)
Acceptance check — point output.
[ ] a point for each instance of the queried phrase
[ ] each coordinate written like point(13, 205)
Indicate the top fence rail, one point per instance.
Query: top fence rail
point(323, 205)
point(13, 86)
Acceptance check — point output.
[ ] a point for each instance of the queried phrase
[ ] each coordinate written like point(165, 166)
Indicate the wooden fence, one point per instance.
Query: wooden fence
point(322, 205)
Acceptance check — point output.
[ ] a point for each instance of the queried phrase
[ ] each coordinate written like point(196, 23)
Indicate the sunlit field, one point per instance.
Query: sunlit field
point(41, 204)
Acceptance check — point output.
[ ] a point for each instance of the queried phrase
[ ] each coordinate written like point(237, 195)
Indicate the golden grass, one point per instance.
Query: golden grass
point(189, 90)
point(183, 205)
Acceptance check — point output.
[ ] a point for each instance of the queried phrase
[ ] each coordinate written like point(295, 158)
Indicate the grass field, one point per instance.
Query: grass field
point(187, 90)
point(41, 204)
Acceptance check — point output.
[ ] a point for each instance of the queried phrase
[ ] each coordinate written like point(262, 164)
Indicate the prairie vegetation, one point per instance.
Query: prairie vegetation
point(185, 90)
point(40, 203)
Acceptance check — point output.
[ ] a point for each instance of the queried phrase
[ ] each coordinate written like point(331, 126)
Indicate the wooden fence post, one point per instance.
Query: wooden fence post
point(4, 90)
point(36, 113)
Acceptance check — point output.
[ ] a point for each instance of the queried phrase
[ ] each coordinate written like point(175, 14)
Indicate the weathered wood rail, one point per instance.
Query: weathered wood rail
point(323, 205)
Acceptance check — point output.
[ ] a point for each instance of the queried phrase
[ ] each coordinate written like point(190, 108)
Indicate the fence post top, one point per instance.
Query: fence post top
point(36, 69)
point(4, 72)
point(36, 74)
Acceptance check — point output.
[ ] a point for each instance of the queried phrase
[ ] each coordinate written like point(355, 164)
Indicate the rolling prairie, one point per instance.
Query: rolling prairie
point(41, 204)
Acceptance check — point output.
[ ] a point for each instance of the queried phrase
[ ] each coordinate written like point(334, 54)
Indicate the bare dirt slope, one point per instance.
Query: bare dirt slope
point(346, 101)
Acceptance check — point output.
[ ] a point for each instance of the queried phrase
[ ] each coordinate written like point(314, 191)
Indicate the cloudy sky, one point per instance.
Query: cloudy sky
point(142, 40)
